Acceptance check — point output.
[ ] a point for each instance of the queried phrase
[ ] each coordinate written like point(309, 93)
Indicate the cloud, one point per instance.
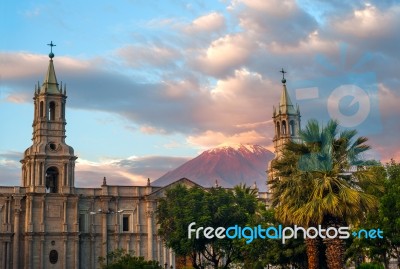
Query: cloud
point(151, 130)
point(32, 13)
point(10, 168)
point(130, 171)
point(148, 55)
point(224, 55)
point(369, 22)
point(282, 22)
point(211, 139)
point(216, 77)
point(209, 23)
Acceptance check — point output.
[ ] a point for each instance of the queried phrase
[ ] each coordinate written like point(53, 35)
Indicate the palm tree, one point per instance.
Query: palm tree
point(320, 181)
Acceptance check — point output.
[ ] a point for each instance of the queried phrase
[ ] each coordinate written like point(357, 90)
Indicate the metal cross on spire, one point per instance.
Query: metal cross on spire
point(283, 75)
point(51, 55)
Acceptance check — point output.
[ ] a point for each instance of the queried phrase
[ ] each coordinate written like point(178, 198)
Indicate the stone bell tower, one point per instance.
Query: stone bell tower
point(286, 120)
point(48, 165)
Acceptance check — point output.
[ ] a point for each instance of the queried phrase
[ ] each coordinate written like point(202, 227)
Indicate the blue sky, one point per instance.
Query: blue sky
point(153, 83)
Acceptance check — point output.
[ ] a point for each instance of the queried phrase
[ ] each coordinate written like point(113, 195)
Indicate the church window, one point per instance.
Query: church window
point(62, 110)
point(52, 180)
point(82, 223)
point(53, 256)
point(41, 109)
point(52, 111)
point(291, 127)
point(125, 223)
point(278, 129)
point(284, 127)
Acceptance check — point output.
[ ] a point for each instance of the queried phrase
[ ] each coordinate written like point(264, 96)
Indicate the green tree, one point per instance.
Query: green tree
point(180, 207)
point(389, 210)
point(319, 181)
point(386, 218)
point(215, 207)
point(272, 251)
point(121, 259)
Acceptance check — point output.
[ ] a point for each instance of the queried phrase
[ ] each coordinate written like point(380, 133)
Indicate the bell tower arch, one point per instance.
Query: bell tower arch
point(49, 164)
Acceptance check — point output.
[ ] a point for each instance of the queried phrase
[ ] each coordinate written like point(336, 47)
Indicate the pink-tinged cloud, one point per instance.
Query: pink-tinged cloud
point(130, 171)
point(153, 55)
point(209, 23)
point(210, 139)
point(224, 55)
point(370, 22)
point(223, 83)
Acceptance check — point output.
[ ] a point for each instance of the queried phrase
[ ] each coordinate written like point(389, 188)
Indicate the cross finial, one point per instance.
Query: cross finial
point(51, 55)
point(283, 75)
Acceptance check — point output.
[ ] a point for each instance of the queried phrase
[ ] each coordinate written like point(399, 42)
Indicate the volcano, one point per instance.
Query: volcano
point(227, 166)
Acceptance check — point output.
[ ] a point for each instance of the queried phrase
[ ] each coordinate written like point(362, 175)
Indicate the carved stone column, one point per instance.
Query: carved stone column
point(150, 249)
point(16, 241)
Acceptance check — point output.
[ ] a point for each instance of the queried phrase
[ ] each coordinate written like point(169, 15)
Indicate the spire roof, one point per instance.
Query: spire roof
point(50, 84)
point(285, 105)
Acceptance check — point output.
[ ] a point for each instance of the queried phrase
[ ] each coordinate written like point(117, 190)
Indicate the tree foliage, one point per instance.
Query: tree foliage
point(321, 181)
point(121, 259)
point(271, 251)
point(386, 218)
point(215, 207)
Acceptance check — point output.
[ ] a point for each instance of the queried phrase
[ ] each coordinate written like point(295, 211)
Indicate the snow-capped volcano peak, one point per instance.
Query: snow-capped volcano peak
point(229, 164)
point(238, 147)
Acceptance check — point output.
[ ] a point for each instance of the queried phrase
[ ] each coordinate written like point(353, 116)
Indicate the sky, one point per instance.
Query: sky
point(151, 84)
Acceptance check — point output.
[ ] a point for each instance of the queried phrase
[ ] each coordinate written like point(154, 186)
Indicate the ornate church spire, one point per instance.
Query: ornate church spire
point(49, 164)
point(50, 84)
point(286, 119)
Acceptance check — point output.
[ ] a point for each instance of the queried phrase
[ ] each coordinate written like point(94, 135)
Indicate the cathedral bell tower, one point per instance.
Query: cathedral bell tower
point(48, 165)
point(286, 120)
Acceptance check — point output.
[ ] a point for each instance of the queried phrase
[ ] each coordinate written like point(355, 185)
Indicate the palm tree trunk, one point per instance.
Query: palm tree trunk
point(334, 253)
point(312, 248)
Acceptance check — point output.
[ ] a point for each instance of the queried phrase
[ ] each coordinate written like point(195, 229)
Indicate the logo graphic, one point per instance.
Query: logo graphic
point(279, 232)
point(348, 96)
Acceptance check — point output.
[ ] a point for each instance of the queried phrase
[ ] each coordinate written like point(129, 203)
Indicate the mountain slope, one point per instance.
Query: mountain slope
point(230, 166)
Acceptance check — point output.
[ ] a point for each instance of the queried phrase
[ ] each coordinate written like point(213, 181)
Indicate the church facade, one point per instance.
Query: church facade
point(47, 222)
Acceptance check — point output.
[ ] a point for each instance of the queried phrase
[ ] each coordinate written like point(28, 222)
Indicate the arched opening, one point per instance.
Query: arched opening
point(52, 111)
point(278, 129)
point(284, 127)
point(41, 109)
point(62, 110)
point(52, 180)
point(291, 128)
